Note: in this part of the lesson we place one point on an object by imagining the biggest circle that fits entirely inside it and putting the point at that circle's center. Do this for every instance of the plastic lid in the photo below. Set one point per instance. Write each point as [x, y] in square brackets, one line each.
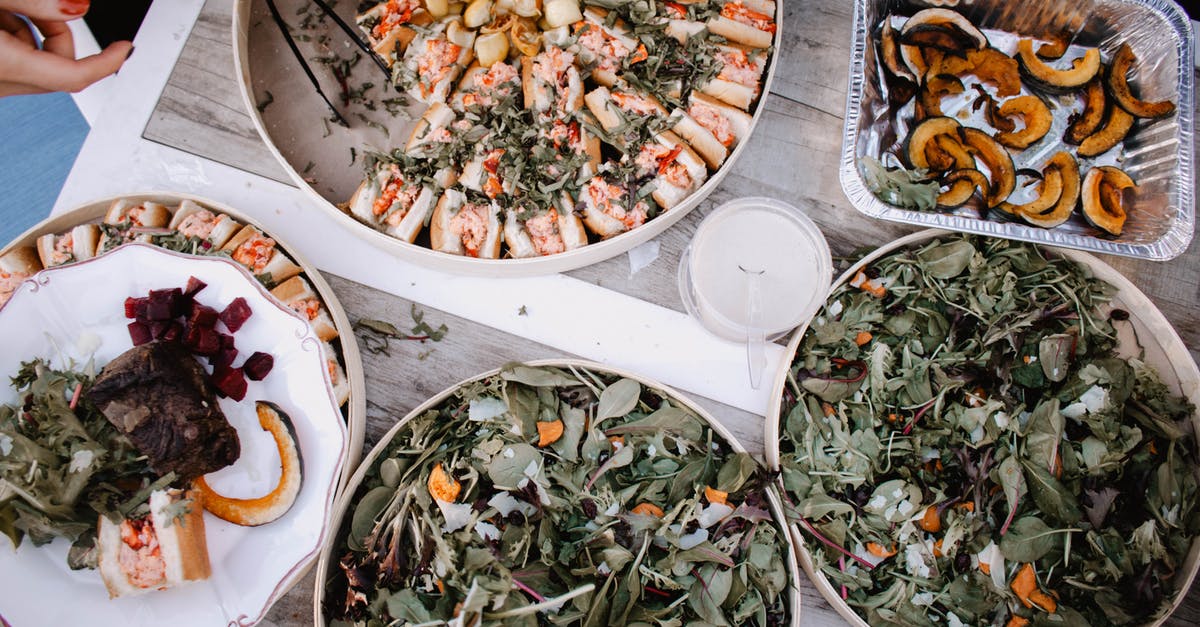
[761, 236]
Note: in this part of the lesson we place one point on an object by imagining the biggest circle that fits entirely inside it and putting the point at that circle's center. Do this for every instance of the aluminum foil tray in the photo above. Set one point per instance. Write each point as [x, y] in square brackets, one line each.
[1158, 154]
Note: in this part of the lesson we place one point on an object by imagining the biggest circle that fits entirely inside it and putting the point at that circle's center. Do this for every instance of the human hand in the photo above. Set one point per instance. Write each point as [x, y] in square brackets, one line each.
[24, 69]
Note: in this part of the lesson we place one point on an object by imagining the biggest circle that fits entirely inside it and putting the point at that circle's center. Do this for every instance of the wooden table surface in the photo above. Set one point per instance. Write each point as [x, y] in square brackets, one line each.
[793, 156]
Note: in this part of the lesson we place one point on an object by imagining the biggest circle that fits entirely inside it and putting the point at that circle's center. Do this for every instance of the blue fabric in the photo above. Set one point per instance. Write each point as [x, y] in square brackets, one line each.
[40, 137]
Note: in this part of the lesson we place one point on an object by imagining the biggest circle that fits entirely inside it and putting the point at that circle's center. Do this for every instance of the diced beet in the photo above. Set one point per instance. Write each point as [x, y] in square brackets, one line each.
[203, 316]
[258, 366]
[207, 344]
[230, 381]
[133, 306]
[169, 298]
[226, 339]
[163, 295]
[158, 328]
[191, 334]
[194, 286]
[224, 358]
[139, 309]
[158, 310]
[139, 333]
[236, 314]
[173, 332]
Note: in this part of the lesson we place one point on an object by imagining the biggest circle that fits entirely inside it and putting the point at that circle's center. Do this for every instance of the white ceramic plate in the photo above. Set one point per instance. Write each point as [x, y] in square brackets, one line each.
[75, 312]
[93, 211]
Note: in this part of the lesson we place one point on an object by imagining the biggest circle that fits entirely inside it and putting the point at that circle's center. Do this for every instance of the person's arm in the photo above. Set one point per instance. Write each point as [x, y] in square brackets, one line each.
[26, 69]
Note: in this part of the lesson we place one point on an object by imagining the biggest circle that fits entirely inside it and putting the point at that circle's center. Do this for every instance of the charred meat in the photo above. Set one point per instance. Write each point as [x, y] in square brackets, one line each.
[159, 396]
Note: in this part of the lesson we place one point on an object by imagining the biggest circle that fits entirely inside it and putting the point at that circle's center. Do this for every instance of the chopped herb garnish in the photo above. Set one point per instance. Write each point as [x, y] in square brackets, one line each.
[266, 102]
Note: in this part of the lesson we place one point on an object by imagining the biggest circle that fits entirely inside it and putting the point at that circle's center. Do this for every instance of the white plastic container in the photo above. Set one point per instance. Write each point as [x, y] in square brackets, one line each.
[755, 251]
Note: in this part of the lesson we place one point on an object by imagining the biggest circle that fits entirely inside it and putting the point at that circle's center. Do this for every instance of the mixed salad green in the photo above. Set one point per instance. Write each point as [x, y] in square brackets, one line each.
[63, 464]
[559, 496]
[962, 443]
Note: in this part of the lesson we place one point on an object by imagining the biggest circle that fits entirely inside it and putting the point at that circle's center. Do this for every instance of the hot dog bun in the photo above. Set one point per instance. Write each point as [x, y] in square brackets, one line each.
[76, 245]
[599, 195]
[425, 132]
[275, 263]
[726, 88]
[700, 139]
[445, 236]
[189, 212]
[741, 32]
[541, 95]
[668, 195]
[595, 17]
[337, 376]
[521, 242]
[176, 526]
[299, 295]
[152, 214]
[705, 119]
[451, 30]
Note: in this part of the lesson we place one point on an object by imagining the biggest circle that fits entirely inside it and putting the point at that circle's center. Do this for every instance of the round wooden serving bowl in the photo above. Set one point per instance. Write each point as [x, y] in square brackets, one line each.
[328, 562]
[318, 156]
[1163, 350]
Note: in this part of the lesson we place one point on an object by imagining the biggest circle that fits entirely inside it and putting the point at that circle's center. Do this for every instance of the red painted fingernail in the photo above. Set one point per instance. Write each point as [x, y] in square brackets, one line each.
[74, 7]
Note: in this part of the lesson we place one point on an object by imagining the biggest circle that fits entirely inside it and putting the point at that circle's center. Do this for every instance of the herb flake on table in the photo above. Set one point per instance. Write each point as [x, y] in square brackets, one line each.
[376, 335]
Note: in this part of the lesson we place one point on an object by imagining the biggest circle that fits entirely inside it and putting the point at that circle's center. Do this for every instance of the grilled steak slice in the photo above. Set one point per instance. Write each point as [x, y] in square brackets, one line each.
[159, 396]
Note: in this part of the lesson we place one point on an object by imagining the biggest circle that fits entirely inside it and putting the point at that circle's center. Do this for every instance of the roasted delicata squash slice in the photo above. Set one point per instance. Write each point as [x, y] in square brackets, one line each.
[1002, 174]
[889, 52]
[942, 29]
[991, 111]
[932, 92]
[1036, 116]
[1081, 71]
[921, 138]
[1117, 83]
[1067, 169]
[1117, 124]
[947, 153]
[960, 186]
[988, 65]
[1055, 47]
[1049, 191]
[1103, 198]
[1088, 121]
[277, 502]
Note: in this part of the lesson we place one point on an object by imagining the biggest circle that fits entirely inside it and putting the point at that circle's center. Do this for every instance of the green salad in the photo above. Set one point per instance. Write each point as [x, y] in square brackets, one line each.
[63, 464]
[559, 496]
[962, 444]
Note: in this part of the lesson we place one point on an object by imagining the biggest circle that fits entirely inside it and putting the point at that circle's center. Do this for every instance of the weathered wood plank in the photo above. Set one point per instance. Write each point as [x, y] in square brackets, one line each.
[814, 62]
[201, 109]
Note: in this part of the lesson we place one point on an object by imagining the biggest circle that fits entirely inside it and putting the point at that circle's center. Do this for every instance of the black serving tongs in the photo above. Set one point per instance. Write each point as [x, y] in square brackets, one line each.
[350, 32]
